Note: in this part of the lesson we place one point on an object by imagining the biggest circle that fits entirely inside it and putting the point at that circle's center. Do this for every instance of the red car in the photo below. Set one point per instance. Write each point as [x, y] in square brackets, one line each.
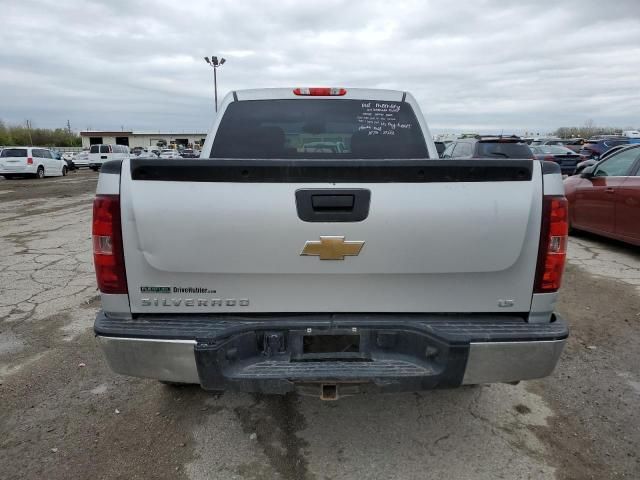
[605, 198]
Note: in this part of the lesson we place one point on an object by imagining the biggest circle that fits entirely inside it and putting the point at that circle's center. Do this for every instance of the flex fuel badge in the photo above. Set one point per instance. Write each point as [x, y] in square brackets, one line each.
[155, 289]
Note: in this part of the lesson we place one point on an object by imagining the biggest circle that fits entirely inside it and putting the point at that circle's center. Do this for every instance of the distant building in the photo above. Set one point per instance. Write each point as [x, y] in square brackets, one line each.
[141, 139]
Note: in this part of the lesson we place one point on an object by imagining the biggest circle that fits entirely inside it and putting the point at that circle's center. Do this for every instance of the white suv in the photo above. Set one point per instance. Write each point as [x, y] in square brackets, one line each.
[30, 161]
[99, 154]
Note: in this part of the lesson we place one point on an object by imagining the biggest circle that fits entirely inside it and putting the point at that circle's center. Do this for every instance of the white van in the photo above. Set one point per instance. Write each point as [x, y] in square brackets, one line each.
[98, 154]
[30, 162]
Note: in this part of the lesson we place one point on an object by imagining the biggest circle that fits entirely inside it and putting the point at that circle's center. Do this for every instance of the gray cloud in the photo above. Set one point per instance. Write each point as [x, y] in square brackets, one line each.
[495, 65]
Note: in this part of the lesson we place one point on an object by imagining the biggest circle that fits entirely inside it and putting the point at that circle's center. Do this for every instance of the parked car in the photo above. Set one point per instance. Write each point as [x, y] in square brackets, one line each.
[546, 141]
[145, 152]
[149, 153]
[30, 162]
[99, 154]
[595, 147]
[324, 147]
[68, 157]
[605, 198]
[632, 135]
[574, 144]
[189, 153]
[590, 162]
[169, 153]
[81, 159]
[563, 156]
[261, 289]
[488, 147]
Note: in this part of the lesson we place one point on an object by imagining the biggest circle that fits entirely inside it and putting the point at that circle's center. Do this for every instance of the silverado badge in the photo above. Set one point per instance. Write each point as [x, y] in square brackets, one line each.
[332, 248]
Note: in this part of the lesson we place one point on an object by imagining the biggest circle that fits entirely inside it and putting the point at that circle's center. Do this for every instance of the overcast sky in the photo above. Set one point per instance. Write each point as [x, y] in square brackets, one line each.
[498, 65]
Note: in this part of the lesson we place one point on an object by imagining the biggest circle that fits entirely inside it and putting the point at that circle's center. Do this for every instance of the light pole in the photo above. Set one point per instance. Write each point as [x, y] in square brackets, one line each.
[214, 63]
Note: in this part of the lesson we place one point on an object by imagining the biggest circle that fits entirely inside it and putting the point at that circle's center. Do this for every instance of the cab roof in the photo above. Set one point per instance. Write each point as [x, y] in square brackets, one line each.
[374, 94]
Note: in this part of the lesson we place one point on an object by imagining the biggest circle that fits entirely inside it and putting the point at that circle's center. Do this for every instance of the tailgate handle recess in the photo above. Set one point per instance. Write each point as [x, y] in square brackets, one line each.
[333, 204]
[326, 202]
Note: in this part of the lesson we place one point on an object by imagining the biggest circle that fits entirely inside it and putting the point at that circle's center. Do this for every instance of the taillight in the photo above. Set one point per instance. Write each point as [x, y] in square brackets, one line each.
[108, 254]
[29, 161]
[552, 252]
[320, 91]
[550, 158]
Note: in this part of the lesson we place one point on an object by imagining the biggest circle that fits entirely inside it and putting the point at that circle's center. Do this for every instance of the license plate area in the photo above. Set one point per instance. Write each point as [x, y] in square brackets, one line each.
[330, 344]
[344, 345]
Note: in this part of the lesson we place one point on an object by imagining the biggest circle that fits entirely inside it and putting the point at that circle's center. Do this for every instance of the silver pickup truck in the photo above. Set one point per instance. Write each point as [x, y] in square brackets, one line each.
[320, 245]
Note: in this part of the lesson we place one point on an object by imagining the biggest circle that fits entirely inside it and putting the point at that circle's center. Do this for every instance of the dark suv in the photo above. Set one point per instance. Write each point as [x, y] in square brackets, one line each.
[595, 147]
[488, 147]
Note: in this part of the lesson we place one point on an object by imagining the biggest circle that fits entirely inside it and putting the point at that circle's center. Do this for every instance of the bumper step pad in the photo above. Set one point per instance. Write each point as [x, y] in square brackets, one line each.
[310, 371]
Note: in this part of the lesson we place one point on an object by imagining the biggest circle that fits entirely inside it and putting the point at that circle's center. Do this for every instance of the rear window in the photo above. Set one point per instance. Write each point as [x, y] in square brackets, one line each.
[14, 152]
[308, 129]
[554, 149]
[547, 142]
[100, 149]
[503, 150]
[614, 143]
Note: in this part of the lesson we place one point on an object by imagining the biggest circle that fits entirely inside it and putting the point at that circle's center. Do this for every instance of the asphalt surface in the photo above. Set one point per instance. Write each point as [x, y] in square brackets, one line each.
[64, 415]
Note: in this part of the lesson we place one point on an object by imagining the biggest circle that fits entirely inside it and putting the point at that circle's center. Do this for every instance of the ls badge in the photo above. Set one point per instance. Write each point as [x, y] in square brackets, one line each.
[332, 248]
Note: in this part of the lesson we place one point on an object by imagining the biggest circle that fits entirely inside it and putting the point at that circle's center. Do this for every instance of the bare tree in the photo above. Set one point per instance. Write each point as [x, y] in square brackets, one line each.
[589, 129]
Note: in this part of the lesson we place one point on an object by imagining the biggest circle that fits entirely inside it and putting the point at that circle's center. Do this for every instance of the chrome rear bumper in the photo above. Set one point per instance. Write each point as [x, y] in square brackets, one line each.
[494, 362]
[175, 361]
[167, 360]
[227, 352]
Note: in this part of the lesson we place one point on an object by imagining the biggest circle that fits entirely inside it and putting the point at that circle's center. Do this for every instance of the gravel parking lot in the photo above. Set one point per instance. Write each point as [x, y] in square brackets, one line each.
[63, 414]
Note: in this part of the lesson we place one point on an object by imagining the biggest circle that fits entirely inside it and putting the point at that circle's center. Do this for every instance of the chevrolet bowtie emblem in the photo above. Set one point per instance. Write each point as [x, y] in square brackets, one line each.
[332, 248]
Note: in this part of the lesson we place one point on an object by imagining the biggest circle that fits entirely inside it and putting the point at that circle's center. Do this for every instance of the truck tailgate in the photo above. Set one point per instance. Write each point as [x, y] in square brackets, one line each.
[216, 238]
